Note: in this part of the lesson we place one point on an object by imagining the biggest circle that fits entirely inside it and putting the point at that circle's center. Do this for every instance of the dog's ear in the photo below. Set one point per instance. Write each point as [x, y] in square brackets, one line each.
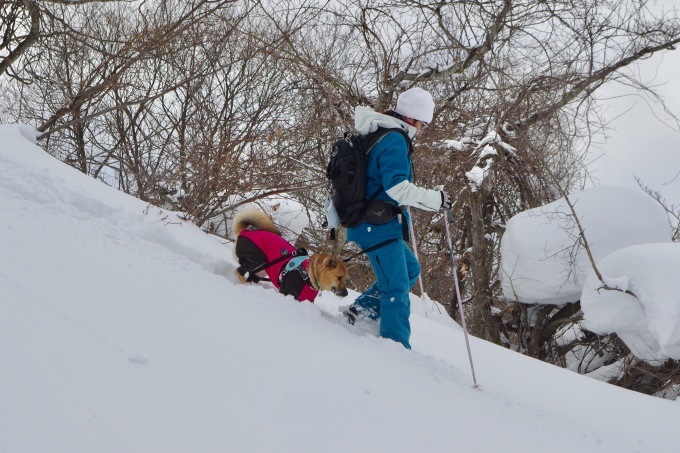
[331, 262]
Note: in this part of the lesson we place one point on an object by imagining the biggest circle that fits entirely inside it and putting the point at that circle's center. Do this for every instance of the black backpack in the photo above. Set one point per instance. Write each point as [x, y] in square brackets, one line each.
[346, 172]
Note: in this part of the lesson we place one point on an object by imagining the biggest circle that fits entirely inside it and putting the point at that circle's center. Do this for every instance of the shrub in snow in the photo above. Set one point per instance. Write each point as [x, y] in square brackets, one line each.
[542, 260]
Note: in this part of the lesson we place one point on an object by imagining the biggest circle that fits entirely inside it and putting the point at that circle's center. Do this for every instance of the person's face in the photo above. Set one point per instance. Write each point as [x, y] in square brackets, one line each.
[420, 126]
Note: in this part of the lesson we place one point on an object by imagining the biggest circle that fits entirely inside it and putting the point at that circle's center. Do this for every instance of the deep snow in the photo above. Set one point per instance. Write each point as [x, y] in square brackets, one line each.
[123, 330]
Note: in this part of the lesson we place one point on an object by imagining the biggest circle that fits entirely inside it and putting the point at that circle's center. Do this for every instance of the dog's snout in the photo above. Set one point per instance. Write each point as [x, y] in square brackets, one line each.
[340, 292]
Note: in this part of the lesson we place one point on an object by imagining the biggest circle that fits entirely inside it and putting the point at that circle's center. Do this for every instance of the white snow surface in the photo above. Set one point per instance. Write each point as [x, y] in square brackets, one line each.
[541, 259]
[123, 330]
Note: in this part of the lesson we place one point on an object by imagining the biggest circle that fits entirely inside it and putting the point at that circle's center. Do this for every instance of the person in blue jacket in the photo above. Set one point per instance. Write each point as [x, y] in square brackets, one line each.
[389, 168]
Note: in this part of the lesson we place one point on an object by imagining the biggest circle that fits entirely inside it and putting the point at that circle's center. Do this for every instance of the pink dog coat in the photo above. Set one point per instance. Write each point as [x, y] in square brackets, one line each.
[274, 246]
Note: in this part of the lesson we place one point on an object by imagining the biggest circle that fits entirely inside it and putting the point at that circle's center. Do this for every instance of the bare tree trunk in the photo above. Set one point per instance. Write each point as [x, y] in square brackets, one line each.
[485, 324]
[13, 43]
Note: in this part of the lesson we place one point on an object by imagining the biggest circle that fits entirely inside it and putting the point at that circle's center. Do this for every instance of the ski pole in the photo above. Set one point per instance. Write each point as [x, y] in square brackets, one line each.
[447, 213]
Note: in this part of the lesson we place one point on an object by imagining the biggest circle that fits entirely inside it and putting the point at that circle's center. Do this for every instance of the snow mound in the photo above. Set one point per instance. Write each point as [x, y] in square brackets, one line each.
[648, 320]
[541, 258]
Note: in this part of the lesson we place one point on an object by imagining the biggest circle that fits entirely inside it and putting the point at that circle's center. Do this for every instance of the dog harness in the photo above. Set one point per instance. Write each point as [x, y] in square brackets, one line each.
[295, 264]
[294, 280]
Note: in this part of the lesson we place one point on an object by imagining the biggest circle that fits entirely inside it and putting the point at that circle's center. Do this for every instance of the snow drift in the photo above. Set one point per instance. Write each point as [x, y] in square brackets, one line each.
[122, 330]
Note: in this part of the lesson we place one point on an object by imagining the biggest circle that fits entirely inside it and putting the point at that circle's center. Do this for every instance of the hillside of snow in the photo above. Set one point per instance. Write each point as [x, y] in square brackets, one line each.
[123, 330]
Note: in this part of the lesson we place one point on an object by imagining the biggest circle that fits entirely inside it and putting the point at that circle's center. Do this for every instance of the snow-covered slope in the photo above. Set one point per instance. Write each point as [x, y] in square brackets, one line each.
[122, 330]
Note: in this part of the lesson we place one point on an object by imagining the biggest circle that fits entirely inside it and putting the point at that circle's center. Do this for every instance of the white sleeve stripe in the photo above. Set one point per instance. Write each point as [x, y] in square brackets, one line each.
[406, 193]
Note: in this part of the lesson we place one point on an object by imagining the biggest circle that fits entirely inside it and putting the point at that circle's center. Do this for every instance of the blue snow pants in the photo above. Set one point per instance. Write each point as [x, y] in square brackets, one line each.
[396, 270]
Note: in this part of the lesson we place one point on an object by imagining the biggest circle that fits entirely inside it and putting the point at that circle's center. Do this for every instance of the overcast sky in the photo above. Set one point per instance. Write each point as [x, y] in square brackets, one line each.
[644, 141]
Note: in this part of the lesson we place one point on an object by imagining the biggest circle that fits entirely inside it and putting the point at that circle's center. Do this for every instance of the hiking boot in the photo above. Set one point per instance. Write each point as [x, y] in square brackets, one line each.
[350, 313]
[361, 320]
[355, 313]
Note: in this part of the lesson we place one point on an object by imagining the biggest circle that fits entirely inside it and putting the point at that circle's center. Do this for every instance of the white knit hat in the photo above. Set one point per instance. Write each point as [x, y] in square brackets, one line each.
[415, 103]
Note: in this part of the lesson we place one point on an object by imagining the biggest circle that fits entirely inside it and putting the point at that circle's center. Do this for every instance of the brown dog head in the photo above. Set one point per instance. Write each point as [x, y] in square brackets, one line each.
[330, 273]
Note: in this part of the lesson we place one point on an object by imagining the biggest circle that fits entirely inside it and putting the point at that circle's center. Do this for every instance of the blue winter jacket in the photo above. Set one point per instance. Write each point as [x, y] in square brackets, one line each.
[389, 167]
[388, 164]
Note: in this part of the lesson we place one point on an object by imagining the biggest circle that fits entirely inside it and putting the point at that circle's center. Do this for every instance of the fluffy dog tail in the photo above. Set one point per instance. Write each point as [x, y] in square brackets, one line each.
[253, 218]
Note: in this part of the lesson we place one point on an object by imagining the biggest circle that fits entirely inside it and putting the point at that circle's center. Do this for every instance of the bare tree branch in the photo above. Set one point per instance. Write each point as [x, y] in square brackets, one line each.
[26, 41]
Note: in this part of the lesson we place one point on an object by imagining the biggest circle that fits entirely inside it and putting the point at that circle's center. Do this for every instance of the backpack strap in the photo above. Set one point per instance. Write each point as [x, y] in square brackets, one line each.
[372, 139]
